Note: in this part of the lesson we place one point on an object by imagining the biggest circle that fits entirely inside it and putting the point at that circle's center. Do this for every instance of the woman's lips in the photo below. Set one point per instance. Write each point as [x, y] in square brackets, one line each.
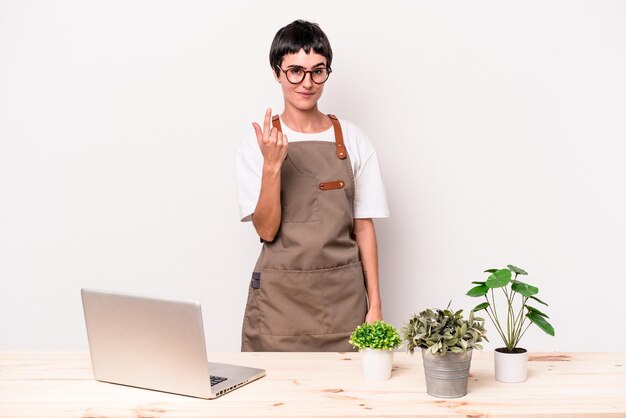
[305, 95]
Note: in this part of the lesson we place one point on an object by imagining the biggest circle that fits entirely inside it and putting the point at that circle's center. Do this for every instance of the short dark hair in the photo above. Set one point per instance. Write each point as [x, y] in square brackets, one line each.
[298, 35]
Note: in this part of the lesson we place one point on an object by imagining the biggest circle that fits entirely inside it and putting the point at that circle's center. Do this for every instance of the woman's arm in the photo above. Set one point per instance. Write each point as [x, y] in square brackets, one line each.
[273, 145]
[366, 240]
[267, 214]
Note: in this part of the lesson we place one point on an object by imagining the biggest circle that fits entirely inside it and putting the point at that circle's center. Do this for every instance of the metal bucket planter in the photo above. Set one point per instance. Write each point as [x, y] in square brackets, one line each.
[447, 374]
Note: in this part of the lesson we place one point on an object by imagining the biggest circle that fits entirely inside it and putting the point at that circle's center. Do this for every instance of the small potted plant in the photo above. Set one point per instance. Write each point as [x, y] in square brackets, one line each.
[510, 360]
[447, 341]
[376, 342]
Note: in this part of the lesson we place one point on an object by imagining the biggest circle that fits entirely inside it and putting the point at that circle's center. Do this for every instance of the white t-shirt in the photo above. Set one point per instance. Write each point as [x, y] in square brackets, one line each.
[370, 200]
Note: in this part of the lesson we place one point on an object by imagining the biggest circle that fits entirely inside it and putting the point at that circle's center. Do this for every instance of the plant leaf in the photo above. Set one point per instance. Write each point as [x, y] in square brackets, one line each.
[539, 300]
[524, 289]
[537, 311]
[541, 322]
[480, 307]
[478, 291]
[478, 282]
[517, 270]
[499, 279]
[491, 270]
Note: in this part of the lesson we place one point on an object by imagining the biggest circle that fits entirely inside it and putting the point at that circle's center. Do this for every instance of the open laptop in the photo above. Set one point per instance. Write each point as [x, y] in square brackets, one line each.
[156, 344]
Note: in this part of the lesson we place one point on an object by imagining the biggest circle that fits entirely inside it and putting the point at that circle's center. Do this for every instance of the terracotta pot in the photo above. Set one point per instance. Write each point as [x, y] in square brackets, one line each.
[511, 367]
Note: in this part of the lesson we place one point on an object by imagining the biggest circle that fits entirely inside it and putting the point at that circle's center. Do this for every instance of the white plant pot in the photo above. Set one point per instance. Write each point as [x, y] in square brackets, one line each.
[376, 364]
[511, 367]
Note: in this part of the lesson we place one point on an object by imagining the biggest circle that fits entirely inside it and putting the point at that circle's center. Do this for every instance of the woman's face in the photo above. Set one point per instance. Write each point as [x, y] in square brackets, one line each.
[304, 95]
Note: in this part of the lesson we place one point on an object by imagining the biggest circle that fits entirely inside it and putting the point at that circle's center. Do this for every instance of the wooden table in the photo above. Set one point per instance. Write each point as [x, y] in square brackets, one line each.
[321, 385]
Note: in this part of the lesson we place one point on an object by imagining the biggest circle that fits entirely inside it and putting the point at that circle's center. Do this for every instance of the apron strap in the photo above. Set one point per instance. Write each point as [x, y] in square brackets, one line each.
[341, 148]
[276, 123]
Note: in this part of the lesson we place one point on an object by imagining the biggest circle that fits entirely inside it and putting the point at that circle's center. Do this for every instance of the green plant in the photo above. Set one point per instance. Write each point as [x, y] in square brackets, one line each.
[441, 330]
[378, 335]
[515, 318]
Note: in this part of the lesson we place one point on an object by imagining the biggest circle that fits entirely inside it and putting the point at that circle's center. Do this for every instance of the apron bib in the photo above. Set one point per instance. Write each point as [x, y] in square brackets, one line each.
[308, 291]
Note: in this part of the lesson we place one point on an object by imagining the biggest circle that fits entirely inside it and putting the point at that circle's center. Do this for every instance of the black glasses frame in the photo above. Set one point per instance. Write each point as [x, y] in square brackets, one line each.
[305, 72]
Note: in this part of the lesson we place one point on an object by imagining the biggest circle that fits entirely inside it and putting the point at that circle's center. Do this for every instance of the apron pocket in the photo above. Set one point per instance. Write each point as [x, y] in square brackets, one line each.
[312, 302]
[298, 194]
[345, 298]
[290, 302]
[299, 199]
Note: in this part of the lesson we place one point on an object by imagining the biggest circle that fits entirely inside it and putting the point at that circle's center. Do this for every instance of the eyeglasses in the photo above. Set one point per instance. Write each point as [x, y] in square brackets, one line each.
[295, 75]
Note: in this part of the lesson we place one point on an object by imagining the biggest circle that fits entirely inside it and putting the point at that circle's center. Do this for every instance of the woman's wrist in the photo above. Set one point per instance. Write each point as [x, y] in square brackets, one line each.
[375, 304]
[271, 169]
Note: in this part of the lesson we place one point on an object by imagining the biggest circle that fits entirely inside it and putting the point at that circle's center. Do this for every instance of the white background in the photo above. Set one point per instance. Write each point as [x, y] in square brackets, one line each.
[500, 129]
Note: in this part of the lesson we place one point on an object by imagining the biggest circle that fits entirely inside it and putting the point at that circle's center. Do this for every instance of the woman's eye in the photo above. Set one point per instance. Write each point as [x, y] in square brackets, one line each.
[295, 71]
[318, 71]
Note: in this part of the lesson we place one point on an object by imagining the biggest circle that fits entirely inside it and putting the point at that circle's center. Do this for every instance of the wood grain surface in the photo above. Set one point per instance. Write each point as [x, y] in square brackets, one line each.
[321, 385]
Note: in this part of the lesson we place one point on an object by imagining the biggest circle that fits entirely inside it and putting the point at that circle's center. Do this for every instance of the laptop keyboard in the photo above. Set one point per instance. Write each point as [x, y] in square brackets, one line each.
[217, 379]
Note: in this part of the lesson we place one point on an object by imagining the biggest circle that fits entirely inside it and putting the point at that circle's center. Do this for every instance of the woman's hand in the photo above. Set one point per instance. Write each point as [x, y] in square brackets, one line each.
[374, 314]
[273, 144]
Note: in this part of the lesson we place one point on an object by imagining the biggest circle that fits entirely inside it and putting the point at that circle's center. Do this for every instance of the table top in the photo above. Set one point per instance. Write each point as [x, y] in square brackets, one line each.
[35, 384]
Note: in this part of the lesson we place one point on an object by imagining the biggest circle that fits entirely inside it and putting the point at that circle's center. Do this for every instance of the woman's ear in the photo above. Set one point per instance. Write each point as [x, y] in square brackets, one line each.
[276, 76]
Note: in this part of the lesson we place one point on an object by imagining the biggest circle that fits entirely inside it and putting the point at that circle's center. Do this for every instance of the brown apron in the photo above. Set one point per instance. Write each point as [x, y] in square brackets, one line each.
[307, 291]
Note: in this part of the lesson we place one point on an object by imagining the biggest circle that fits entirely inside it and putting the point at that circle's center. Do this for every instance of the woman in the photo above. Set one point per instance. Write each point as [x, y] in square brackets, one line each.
[311, 184]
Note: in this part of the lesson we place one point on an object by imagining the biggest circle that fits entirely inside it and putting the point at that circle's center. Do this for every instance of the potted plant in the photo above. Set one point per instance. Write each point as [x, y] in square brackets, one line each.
[511, 360]
[447, 341]
[376, 342]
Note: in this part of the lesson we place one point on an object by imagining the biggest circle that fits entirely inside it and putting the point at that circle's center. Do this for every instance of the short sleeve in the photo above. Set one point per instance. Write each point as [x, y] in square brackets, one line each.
[249, 165]
[370, 197]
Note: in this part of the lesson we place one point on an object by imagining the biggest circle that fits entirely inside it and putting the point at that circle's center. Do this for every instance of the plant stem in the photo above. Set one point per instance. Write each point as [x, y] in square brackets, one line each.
[509, 317]
[512, 292]
[515, 319]
[519, 322]
[493, 304]
[495, 322]
[527, 326]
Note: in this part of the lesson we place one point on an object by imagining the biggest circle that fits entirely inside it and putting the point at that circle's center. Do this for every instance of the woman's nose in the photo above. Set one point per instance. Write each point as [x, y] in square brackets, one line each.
[308, 80]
